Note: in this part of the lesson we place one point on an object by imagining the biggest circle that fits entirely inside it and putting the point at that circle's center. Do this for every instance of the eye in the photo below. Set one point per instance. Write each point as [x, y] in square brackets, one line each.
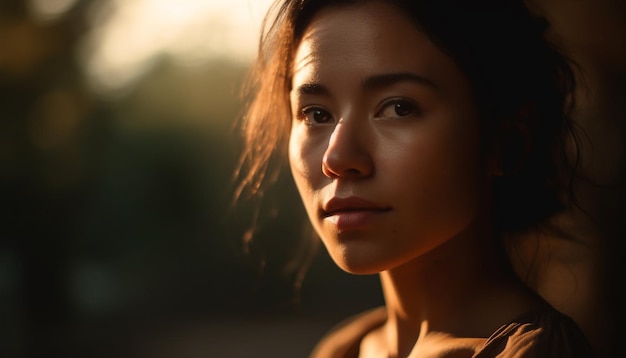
[316, 115]
[398, 108]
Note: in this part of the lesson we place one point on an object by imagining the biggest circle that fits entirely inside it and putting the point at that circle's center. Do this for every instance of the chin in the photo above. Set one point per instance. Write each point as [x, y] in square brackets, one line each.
[358, 262]
[359, 269]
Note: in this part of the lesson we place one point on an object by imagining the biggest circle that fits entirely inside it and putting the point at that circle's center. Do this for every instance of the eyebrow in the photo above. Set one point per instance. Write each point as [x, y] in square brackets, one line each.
[388, 79]
[311, 89]
[372, 82]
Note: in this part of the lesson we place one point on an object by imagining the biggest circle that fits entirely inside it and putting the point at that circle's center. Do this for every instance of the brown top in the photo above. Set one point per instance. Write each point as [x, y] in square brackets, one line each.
[545, 333]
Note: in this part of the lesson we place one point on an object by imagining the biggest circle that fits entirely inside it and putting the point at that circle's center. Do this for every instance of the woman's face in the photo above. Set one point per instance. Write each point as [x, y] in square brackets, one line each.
[384, 146]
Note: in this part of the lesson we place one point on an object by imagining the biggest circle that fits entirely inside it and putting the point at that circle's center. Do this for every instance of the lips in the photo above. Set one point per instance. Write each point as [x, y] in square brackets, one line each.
[352, 212]
[341, 205]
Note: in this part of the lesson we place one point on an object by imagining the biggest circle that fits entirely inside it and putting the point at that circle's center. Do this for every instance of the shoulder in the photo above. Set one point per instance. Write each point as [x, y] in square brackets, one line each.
[345, 338]
[544, 333]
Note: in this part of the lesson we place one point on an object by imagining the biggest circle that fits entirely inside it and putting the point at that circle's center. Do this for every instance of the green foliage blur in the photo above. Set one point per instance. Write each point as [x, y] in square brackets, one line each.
[118, 230]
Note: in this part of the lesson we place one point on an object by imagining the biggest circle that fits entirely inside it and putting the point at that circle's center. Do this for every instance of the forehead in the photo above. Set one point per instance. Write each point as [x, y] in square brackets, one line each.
[357, 40]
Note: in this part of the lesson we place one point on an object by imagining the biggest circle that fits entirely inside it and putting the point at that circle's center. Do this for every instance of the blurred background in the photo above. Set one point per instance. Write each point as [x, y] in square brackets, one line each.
[118, 234]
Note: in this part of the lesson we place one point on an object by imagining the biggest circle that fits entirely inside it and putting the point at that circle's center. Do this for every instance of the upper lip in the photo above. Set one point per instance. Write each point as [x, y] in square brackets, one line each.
[352, 203]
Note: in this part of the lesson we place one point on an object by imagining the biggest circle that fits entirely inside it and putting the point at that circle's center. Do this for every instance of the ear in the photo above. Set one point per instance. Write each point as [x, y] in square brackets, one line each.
[513, 143]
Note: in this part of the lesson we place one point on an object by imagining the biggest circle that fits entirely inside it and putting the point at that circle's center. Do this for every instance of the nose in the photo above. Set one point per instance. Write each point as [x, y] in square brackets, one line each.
[348, 154]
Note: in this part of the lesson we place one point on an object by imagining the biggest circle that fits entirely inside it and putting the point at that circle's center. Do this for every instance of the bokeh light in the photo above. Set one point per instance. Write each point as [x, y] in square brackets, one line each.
[50, 9]
[128, 36]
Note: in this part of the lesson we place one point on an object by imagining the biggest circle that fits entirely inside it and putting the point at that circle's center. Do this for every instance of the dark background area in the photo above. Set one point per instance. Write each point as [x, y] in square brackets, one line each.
[119, 237]
[118, 234]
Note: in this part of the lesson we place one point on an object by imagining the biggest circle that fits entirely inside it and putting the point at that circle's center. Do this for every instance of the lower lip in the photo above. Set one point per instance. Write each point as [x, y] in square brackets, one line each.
[353, 220]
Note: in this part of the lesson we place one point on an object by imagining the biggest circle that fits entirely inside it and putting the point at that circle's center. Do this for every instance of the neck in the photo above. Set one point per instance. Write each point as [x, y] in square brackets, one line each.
[464, 288]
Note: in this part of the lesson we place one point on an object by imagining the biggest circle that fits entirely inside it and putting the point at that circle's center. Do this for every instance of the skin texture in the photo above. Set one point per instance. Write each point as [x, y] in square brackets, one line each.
[385, 152]
[423, 164]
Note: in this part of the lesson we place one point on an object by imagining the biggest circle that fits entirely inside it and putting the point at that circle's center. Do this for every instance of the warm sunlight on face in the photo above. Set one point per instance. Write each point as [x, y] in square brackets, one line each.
[128, 35]
[384, 145]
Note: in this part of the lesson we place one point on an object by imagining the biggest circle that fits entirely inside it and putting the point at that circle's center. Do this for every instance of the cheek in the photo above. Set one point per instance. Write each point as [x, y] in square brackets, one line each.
[299, 163]
[444, 182]
[305, 162]
[460, 180]
[457, 162]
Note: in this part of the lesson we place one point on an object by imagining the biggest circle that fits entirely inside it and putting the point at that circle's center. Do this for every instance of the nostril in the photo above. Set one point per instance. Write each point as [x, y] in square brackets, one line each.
[334, 172]
[327, 171]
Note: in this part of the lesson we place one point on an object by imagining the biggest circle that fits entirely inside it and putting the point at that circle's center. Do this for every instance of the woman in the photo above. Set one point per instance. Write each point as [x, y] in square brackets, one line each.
[419, 135]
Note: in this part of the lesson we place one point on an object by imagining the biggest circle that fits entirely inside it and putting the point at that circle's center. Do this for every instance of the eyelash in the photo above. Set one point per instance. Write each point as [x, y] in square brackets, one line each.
[413, 107]
[306, 111]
